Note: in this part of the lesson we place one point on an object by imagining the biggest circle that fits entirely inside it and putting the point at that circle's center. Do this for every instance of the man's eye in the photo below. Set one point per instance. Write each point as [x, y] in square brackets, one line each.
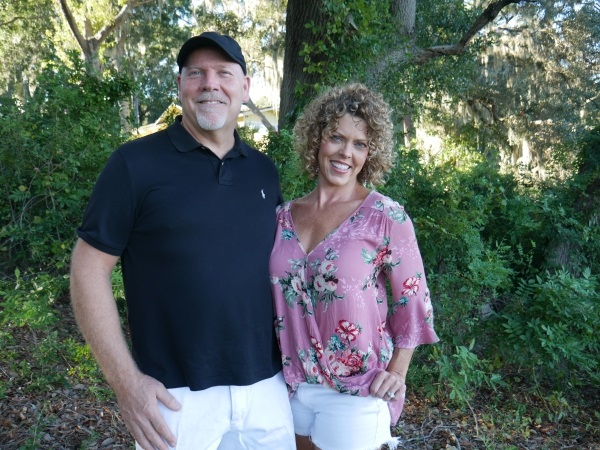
[336, 138]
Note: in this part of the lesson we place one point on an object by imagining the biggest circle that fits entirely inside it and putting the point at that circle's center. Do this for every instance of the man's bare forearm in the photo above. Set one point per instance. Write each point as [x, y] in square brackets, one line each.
[97, 316]
[96, 312]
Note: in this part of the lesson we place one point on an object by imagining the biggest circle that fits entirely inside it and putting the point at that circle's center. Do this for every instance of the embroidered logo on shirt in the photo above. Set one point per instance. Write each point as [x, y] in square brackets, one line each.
[262, 192]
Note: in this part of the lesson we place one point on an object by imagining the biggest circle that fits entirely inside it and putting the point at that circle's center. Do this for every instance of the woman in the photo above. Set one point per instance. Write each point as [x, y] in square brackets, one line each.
[346, 348]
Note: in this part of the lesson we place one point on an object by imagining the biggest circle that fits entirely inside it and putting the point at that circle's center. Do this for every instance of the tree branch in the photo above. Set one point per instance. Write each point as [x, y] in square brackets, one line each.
[16, 19]
[422, 55]
[250, 104]
[89, 45]
[83, 44]
[487, 16]
[119, 18]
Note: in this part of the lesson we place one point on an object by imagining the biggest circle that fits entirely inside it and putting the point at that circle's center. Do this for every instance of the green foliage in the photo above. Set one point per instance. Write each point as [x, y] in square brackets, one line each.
[450, 200]
[550, 328]
[29, 300]
[29, 305]
[354, 27]
[279, 147]
[51, 150]
[81, 363]
[483, 234]
[441, 21]
[24, 28]
[45, 374]
[247, 134]
[553, 224]
[463, 374]
[155, 32]
[41, 369]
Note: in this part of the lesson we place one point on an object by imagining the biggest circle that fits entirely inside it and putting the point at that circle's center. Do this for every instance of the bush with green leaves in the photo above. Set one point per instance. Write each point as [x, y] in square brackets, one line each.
[463, 373]
[280, 148]
[483, 234]
[550, 328]
[51, 150]
[451, 205]
[29, 300]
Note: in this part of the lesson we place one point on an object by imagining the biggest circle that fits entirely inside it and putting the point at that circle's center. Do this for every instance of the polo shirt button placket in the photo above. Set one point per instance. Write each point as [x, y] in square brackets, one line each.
[225, 176]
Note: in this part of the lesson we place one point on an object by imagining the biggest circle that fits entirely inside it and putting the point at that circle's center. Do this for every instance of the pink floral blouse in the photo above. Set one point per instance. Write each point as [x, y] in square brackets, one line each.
[334, 322]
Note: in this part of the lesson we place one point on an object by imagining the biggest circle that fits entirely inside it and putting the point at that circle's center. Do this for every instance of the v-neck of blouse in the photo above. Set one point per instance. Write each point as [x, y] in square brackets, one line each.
[331, 233]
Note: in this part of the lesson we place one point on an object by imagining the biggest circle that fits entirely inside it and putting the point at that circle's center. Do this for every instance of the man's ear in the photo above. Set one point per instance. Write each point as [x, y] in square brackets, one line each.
[246, 96]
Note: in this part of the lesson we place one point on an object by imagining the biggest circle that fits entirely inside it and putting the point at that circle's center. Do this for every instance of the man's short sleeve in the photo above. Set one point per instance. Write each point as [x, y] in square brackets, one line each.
[109, 216]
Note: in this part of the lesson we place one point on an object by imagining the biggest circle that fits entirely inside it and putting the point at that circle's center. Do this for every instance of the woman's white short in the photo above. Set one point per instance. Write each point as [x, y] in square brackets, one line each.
[337, 421]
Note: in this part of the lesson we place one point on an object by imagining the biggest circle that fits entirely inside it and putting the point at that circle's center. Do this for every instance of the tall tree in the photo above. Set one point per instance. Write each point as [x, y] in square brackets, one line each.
[332, 25]
[258, 25]
[298, 37]
[147, 44]
[138, 37]
[26, 28]
[549, 71]
[532, 93]
[87, 37]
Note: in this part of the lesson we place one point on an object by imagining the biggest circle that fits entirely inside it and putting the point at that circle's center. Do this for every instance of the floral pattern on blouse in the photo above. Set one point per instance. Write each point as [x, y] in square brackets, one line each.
[334, 323]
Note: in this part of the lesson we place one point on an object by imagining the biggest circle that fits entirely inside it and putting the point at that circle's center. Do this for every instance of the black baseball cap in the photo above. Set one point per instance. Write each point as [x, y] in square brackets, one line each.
[212, 39]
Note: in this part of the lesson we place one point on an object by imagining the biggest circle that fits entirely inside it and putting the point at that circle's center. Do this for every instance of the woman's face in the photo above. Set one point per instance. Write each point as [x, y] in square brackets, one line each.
[342, 155]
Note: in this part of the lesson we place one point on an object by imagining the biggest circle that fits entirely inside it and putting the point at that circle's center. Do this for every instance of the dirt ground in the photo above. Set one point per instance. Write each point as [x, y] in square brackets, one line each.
[85, 416]
[75, 419]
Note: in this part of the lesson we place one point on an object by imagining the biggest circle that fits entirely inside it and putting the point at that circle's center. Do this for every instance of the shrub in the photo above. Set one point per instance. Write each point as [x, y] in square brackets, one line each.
[467, 272]
[29, 300]
[550, 329]
[52, 148]
[279, 147]
[51, 151]
[463, 374]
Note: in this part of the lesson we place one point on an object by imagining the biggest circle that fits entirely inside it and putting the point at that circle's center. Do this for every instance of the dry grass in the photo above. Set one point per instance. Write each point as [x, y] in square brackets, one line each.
[83, 415]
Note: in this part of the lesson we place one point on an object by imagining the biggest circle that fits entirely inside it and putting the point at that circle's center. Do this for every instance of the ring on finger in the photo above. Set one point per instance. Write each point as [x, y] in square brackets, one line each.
[390, 394]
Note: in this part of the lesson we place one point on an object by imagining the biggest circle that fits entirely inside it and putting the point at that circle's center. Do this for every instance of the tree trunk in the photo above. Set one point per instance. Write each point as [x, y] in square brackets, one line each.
[89, 43]
[299, 13]
[405, 13]
[252, 107]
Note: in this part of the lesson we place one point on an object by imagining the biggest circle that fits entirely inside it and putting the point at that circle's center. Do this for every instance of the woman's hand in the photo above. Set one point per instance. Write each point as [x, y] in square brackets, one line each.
[388, 385]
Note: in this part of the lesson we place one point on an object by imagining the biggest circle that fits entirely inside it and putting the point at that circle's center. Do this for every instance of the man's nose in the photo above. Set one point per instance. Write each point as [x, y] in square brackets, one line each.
[210, 81]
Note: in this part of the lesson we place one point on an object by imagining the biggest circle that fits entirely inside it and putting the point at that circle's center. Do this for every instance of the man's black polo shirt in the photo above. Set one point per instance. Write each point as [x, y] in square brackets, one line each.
[194, 234]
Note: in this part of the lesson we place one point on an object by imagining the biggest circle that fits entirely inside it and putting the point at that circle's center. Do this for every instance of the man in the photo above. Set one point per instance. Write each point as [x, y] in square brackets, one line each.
[190, 211]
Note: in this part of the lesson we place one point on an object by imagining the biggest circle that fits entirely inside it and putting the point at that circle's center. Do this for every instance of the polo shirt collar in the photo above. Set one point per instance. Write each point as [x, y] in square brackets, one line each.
[185, 142]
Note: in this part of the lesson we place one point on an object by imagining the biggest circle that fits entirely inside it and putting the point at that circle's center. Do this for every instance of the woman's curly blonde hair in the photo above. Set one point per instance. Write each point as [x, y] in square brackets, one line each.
[320, 119]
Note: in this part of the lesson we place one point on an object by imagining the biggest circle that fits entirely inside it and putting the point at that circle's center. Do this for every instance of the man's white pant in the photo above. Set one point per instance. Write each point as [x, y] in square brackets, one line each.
[233, 417]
